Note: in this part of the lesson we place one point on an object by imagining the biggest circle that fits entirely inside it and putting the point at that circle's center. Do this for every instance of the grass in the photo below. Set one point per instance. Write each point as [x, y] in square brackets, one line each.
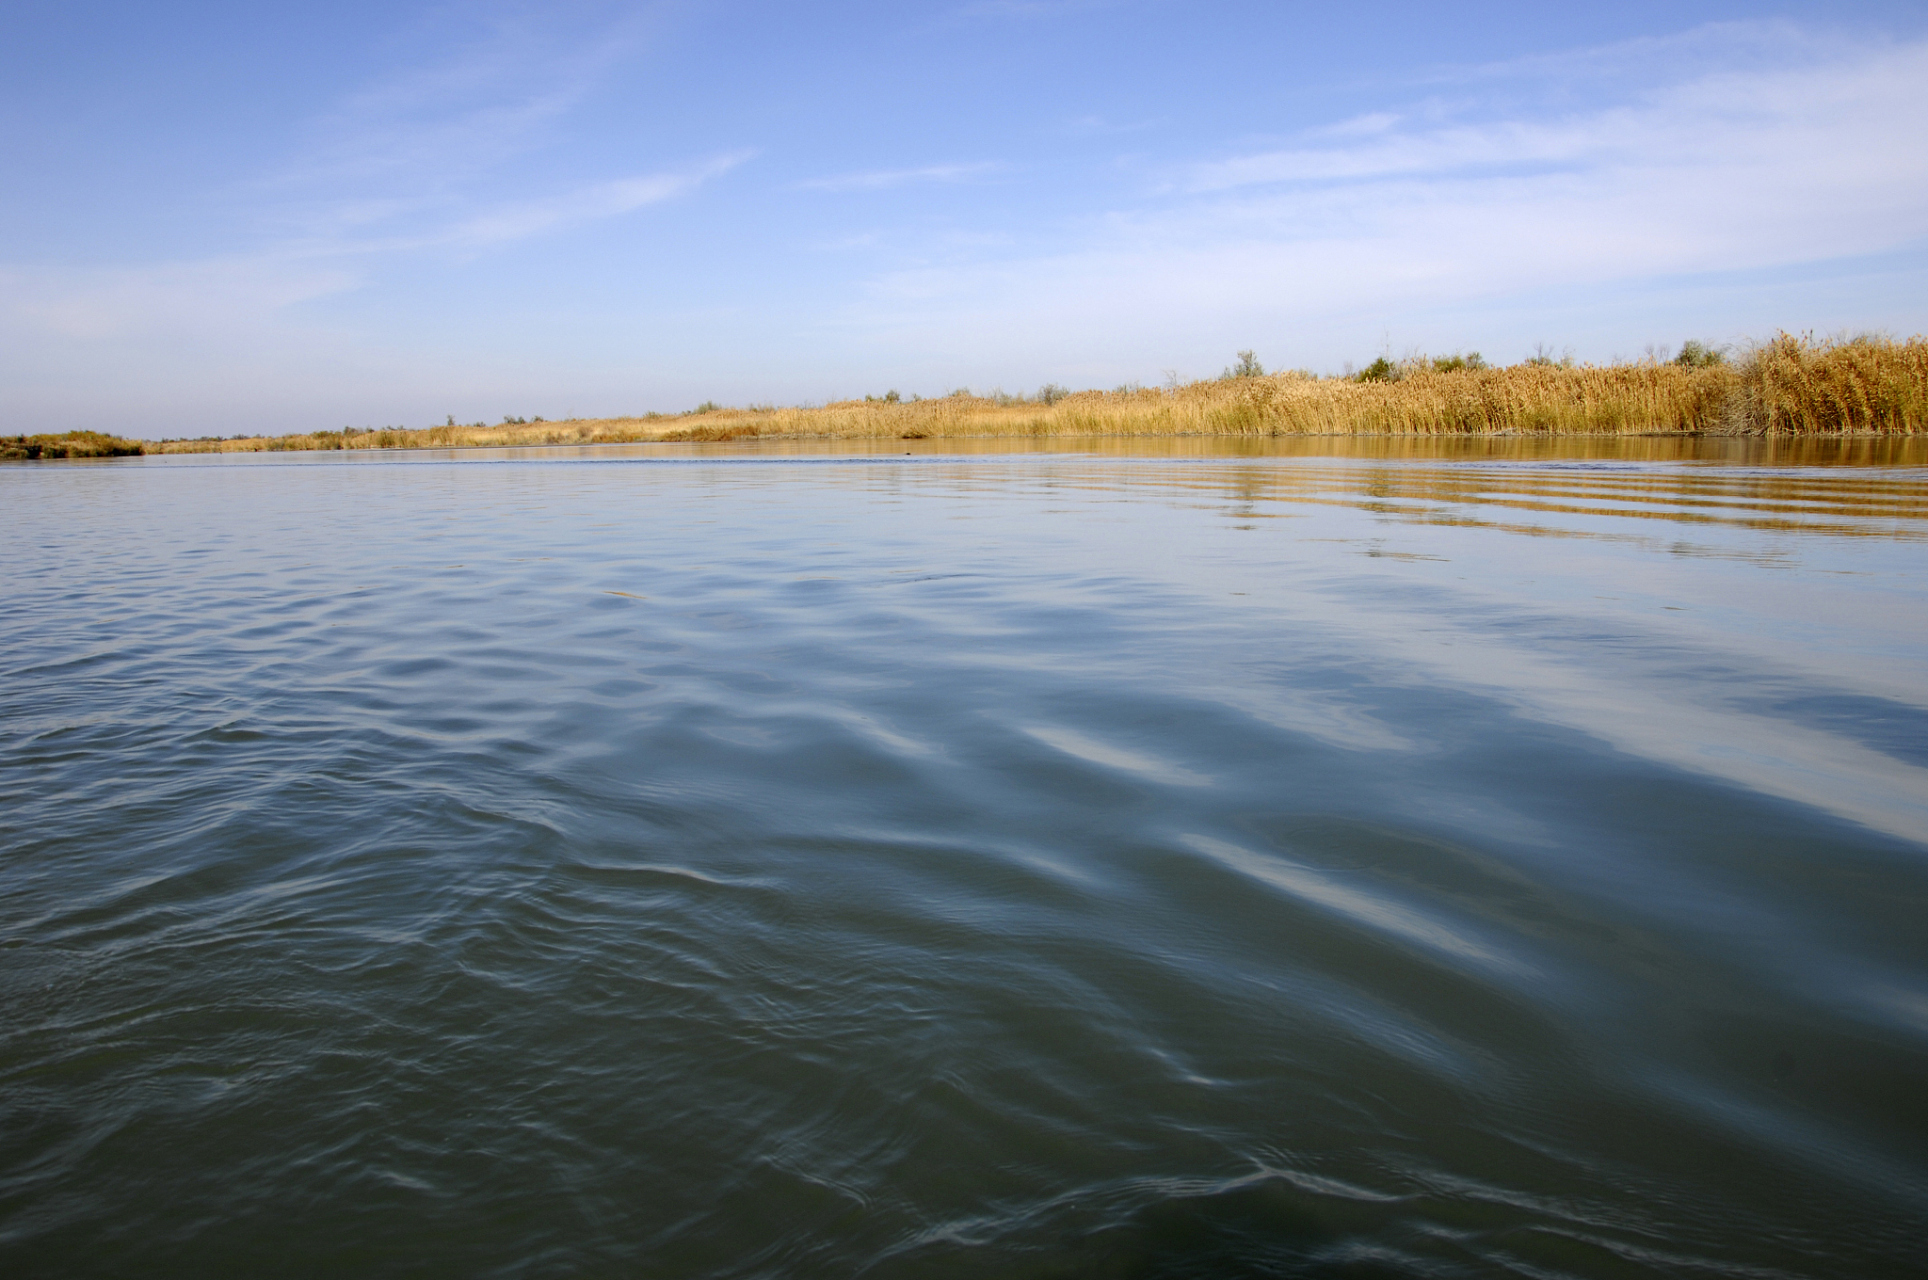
[1788, 386]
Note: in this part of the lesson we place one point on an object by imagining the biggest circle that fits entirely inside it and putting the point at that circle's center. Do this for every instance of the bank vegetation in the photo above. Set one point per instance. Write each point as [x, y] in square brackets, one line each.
[1788, 386]
[69, 444]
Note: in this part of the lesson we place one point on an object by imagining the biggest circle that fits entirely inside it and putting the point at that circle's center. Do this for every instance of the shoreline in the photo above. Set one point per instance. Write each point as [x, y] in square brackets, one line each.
[10, 451]
[1827, 450]
[1786, 388]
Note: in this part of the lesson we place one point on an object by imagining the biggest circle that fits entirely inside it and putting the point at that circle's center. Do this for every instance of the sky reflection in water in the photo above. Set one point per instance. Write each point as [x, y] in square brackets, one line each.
[1342, 858]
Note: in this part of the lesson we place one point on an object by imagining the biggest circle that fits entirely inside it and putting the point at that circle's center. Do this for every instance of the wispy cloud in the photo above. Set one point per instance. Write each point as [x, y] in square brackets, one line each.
[1869, 104]
[241, 289]
[521, 219]
[415, 158]
[407, 165]
[506, 82]
[1755, 163]
[879, 179]
[1671, 58]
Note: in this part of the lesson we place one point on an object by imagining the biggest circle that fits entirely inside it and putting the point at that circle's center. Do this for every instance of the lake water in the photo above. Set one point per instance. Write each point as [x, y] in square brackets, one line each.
[1351, 859]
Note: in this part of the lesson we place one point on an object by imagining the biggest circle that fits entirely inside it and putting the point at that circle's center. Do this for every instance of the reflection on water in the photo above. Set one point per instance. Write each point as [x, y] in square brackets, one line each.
[1749, 451]
[1350, 857]
[1880, 503]
[1752, 451]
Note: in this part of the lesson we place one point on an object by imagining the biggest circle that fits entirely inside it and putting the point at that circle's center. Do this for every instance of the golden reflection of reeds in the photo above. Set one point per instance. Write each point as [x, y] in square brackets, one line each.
[1847, 504]
[1812, 451]
[1790, 387]
[1619, 505]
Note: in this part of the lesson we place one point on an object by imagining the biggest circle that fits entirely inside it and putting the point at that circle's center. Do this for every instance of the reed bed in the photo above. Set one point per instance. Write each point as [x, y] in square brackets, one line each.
[1789, 386]
[1863, 386]
[69, 444]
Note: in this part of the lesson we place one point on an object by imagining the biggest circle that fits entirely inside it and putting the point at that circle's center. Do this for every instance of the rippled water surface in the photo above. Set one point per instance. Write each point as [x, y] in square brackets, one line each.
[1504, 860]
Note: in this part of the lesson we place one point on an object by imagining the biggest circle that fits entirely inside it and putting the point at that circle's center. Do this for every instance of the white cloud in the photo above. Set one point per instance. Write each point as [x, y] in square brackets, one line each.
[1441, 205]
[1569, 177]
[1866, 104]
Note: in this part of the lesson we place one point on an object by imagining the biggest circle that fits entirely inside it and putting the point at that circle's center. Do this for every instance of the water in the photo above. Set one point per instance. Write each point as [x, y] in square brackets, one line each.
[1497, 859]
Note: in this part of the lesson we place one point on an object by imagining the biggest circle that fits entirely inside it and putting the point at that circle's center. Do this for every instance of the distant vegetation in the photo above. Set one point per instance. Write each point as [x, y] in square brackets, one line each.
[71, 444]
[1788, 386]
[1248, 366]
[1697, 355]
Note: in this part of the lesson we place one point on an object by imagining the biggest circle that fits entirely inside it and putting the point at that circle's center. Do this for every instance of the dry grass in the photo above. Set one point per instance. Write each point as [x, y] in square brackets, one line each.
[71, 444]
[1790, 386]
[1864, 385]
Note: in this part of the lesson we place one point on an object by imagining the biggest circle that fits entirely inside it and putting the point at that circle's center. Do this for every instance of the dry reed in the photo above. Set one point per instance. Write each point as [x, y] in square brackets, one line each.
[1789, 386]
[70, 444]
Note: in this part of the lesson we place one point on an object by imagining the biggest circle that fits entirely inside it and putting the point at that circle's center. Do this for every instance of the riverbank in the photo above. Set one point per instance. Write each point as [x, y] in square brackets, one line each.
[1787, 387]
[70, 444]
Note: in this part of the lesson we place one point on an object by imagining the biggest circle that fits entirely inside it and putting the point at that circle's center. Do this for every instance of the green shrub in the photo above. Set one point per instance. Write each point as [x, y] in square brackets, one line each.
[1695, 354]
[1248, 366]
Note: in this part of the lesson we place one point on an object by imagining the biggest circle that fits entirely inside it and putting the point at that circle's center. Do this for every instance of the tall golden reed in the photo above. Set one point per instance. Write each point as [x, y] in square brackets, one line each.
[1864, 385]
[1789, 386]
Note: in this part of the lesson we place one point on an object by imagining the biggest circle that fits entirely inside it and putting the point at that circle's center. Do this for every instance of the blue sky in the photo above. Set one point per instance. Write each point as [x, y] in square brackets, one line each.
[235, 217]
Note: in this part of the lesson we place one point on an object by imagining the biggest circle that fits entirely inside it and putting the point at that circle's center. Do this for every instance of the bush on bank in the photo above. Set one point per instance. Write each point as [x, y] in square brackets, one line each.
[70, 444]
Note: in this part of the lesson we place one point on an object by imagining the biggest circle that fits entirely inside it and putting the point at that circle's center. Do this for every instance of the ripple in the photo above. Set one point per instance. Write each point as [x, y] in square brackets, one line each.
[1438, 858]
